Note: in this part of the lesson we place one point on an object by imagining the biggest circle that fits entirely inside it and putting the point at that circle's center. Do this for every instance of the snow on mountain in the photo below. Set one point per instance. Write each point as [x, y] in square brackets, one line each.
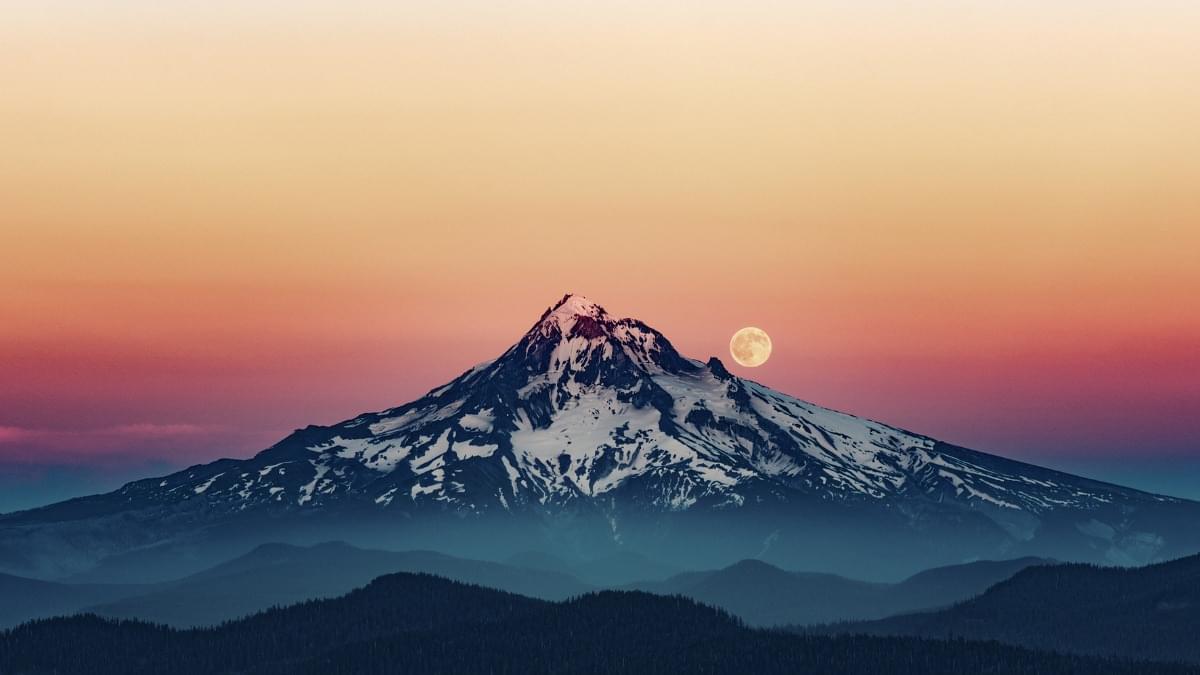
[593, 435]
[585, 407]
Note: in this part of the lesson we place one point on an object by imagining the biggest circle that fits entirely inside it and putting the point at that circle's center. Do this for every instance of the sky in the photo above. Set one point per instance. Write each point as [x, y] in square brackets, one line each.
[221, 221]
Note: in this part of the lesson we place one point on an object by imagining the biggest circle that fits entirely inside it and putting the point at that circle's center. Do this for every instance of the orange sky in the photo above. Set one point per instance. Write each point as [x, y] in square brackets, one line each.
[222, 220]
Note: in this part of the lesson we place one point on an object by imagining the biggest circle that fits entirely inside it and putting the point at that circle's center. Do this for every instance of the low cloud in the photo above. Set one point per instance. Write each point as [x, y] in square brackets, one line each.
[9, 434]
[140, 440]
[14, 434]
[149, 430]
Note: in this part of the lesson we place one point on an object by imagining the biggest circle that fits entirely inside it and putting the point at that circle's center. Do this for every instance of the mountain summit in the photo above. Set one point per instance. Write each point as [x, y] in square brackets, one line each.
[576, 332]
[593, 432]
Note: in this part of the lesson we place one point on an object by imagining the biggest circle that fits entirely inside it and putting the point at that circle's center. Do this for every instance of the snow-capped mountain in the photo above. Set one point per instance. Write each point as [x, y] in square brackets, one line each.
[585, 404]
[601, 419]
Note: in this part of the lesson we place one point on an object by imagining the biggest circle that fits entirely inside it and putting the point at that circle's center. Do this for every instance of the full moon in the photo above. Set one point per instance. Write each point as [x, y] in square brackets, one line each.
[750, 346]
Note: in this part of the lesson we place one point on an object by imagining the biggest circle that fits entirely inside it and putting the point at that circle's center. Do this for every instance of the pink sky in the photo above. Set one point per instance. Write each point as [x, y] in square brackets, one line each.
[105, 400]
[220, 222]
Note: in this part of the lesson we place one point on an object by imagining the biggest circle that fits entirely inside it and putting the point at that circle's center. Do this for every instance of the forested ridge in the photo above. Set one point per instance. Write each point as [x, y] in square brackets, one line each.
[420, 623]
[1150, 612]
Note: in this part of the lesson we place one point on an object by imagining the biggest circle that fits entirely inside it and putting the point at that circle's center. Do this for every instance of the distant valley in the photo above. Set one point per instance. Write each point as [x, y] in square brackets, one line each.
[281, 574]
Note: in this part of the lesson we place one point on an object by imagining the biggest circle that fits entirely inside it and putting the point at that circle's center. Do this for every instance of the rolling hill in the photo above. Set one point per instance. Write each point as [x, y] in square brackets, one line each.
[1144, 612]
[418, 623]
[765, 595]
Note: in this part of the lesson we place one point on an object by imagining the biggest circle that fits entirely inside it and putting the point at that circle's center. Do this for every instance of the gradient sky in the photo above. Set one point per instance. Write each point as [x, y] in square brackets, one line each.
[220, 221]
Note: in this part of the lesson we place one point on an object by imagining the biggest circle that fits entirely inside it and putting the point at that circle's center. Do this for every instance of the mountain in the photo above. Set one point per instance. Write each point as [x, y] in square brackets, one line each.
[593, 436]
[25, 599]
[420, 623]
[270, 575]
[280, 574]
[618, 569]
[1146, 612]
[764, 595]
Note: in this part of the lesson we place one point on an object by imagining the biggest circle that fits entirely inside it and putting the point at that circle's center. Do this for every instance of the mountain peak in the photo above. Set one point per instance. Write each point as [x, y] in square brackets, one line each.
[573, 304]
[595, 426]
[577, 334]
[571, 311]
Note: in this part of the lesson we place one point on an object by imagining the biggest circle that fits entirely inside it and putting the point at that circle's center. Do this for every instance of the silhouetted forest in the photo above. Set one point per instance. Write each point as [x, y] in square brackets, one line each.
[418, 623]
[1150, 612]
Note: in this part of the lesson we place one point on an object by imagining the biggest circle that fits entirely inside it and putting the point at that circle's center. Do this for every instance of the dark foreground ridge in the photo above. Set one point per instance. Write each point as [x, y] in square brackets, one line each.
[419, 623]
[1137, 613]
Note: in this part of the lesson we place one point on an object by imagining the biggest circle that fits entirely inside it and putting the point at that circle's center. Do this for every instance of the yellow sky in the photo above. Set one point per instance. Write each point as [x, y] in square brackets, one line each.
[838, 124]
[861, 178]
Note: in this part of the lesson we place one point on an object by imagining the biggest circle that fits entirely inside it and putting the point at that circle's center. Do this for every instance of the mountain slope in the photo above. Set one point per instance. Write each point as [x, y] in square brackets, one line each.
[765, 595]
[23, 599]
[593, 434]
[270, 575]
[418, 623]
[1146, 612]
[280, 574]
